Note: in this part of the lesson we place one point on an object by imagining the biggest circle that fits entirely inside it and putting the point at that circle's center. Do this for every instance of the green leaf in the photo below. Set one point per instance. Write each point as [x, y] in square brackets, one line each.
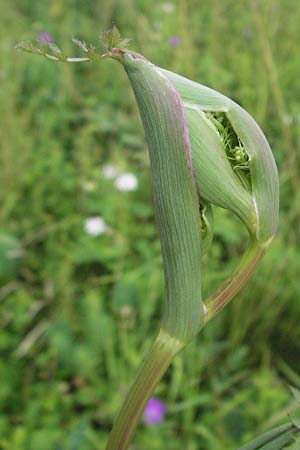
[279, 442]
[55, 51]
[112, 39]
[81, 44]
[296, 393]
[50, 50]
[269, 437]
[10, 255]
[294, 446]
[90, 50]
[27, 46]
[295, 421]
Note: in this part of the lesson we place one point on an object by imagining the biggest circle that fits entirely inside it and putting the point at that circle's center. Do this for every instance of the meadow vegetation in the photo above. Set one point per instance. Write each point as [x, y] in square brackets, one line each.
[79, 309]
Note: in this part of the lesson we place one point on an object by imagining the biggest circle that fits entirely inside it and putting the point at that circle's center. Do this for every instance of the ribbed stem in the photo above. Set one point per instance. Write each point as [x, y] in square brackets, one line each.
[222, 296]
[166, 347]
[154, 366]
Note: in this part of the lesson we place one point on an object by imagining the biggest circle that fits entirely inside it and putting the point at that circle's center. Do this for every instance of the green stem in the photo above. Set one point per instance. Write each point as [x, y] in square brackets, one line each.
[154, 366]
[166, 347]
[229, 288]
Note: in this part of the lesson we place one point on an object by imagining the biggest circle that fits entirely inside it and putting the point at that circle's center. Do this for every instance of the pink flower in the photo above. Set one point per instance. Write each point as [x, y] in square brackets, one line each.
[45, 37]
[154, 411]
[174, 41]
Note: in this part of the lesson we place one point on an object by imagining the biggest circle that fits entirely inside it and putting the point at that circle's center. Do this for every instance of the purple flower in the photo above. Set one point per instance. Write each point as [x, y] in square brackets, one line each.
[44, 36]
[154, 411]
[174, 41]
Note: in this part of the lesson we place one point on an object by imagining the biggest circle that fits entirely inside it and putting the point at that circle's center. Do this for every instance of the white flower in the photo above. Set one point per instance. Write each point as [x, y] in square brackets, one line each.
[167, 7]
[126, 182]
[287, 119]
[88, 186]
[109, 171]
[95, 226]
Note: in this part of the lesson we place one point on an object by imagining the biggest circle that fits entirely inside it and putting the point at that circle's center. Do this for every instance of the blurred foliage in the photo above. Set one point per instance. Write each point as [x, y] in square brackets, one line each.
[79, 312]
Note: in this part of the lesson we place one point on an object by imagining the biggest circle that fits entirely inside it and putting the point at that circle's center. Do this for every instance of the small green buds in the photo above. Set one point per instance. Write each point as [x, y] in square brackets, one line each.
[218, 183]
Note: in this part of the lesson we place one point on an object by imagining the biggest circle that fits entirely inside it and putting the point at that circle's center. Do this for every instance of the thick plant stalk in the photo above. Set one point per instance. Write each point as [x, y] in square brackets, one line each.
[178, 218]
[153, 368]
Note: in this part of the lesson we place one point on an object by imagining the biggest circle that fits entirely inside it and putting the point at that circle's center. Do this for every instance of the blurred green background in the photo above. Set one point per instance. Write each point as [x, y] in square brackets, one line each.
[78, 311]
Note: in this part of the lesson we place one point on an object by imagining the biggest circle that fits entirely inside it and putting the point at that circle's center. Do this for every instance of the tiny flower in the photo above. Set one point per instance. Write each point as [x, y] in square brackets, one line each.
[167, 7]
[95, 226]
[45, 37]
[109, 171]
[154, 411]
[126, 182]
[88, 186]
[174, 41]
[288, 119]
